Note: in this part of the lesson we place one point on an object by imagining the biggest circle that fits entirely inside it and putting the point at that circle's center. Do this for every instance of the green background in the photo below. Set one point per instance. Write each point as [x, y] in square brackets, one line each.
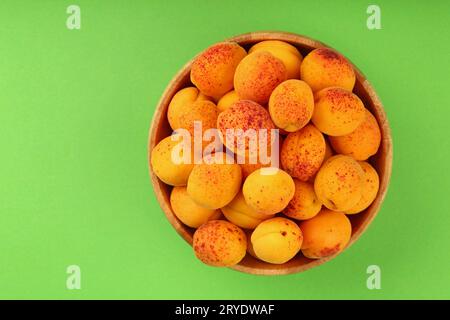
[76, 106]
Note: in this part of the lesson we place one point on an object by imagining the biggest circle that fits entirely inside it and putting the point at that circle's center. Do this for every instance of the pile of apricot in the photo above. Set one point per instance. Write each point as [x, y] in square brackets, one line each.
[324, 174]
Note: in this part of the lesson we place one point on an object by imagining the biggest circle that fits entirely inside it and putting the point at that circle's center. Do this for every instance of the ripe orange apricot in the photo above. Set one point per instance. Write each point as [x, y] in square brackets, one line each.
[371, 183]
[213, 70]
[257, 75]
[213, 185]
[243, 116]
[172, 171]
[302, 152]
[326, 234]
[337, 112]
[339, 183]
[241, 214]
[287, 53]
[250, 249]
[324, 67]
[328, 151]
[203, 111]
[276, 240]
[227, 100]
[291, 105]
[219, 243]
[268, 193]
[189, 212]
[305, 204]
[363, 142]
[181, 104]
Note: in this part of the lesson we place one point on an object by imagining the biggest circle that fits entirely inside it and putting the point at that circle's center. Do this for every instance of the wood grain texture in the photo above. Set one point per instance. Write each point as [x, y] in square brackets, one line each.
[382, 161]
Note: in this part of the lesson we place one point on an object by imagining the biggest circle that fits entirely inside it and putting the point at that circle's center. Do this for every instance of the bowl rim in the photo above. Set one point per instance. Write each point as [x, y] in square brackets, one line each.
[297, 40]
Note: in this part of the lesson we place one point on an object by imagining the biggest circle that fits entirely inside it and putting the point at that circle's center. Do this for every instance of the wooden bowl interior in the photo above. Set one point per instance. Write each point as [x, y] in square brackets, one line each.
[382, 161]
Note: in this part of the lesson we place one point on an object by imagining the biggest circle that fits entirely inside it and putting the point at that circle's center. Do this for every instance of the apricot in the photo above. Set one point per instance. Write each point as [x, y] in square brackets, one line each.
[213, 70]
[302, 152]
[250, 250]
[324, 67]
[287, 53]
[276, 240]
[227, 100]
[189, 212]
[326, 234]
[243, 116]
[337, 112]
[339, 183]
[170, 170]
[328, 151]
[219, 243]
[241, 214]
[371, 183]
[268, 193]
[183, 115]
[363, 142]
[291, 105]
[257, 75]
[248, 168]
[180, 104]
[305, 204]
[213, 185]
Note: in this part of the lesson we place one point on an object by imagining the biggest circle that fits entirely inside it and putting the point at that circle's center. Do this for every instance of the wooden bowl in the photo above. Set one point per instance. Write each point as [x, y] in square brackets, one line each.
[382, 161]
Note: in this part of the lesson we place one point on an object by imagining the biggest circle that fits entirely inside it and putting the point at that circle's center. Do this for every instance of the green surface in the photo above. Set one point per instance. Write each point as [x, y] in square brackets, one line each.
[75, 109]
